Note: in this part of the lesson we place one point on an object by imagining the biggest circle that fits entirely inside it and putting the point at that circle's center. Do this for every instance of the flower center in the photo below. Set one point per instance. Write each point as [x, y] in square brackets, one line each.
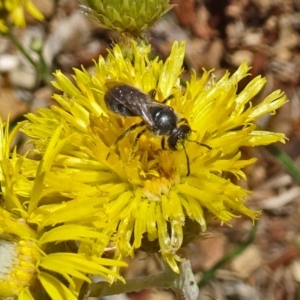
[17, 265]
[156, 187]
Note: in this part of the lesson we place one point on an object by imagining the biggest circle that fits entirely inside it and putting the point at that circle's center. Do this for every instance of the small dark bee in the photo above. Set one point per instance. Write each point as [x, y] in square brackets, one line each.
[157, 117]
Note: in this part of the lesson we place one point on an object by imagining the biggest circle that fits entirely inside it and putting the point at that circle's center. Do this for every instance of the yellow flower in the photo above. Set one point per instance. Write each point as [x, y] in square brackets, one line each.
[14, 11]
[3, 28]
[39, 238]
[154, 203]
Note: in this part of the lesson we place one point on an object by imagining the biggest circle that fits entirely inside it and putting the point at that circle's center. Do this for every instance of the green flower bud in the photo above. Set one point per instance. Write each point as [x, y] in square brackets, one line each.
[131, 16]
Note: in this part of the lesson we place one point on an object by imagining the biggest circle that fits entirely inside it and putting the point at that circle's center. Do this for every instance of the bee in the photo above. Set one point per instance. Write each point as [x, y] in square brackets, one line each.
[157, 117]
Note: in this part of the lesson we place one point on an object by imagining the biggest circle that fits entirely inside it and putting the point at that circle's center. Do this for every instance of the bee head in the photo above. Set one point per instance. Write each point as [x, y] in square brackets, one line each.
[178, 136]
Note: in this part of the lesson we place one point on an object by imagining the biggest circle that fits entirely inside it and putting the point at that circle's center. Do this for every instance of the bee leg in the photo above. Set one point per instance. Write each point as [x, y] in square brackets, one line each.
[134, 145]
[122, 135]
[152, 94]
[163, 143]
[183, 120]
[167, 99]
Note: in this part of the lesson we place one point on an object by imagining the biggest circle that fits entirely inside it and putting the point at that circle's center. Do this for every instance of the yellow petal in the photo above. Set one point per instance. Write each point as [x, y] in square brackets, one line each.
[55, 288]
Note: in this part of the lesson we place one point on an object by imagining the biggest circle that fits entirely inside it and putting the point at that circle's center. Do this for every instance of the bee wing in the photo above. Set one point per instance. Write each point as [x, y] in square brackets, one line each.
[142, 106]
[134, 100]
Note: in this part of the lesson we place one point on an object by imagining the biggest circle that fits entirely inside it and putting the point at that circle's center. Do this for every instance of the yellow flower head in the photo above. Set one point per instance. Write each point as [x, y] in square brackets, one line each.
[155, 194]
[38, 241]
[14, 11]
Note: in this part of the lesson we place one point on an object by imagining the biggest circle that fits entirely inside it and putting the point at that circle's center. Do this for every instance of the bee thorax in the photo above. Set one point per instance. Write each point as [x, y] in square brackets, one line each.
[165, 121]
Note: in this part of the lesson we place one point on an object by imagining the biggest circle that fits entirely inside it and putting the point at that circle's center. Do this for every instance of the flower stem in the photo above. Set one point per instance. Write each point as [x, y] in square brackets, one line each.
[286, 161]
[183, 284]
[40, 67]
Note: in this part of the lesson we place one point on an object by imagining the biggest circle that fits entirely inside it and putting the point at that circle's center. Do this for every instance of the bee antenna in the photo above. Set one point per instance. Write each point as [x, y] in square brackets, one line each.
[201, 144]
[187, 160]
